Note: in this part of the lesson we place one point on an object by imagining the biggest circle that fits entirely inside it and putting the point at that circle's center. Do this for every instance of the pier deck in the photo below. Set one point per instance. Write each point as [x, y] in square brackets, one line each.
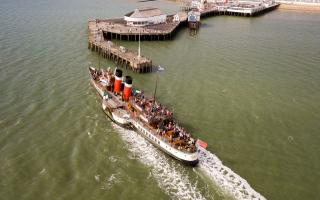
[116, 28]
[123, 57]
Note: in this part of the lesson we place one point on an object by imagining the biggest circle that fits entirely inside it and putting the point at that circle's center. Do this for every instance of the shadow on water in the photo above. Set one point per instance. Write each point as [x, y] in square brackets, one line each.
[205, 25]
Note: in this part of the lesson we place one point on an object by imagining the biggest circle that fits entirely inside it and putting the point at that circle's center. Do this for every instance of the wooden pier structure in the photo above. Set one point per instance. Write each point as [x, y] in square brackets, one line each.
[120, 55]
[245, 9]
[118, 29]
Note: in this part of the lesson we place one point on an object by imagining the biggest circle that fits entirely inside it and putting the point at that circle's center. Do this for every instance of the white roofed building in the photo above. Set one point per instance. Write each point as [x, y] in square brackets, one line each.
[145, 16]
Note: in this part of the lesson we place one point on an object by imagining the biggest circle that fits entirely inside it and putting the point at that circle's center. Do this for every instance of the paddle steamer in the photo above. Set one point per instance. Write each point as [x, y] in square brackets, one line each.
[131, 108]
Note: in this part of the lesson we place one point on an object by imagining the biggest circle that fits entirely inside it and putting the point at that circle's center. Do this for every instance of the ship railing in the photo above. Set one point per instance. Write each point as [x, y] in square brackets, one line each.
[144, 115]
[162, 138]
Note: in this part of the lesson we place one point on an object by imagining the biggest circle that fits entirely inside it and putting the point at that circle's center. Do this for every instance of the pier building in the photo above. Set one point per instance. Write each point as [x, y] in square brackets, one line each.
[145, 17]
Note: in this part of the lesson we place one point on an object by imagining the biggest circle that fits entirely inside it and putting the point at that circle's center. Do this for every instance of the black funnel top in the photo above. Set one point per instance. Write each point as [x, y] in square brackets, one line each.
[128, 80]
[118, 73]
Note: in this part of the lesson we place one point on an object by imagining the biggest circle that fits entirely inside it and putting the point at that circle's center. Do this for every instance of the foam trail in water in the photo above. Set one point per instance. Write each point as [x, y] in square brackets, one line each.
[225, 177]
[170, 177]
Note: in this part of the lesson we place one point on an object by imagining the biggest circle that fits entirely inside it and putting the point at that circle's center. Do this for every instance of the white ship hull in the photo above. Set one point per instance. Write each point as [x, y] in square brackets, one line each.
[120, 120]
[186, 157]
[99, 90]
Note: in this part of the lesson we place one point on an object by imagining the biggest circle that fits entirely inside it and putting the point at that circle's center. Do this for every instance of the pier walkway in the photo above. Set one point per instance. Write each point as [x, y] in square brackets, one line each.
[120, 55]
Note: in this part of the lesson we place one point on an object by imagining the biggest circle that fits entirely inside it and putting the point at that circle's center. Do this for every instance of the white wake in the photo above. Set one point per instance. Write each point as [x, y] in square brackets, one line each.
[225, 177]
[171, 178]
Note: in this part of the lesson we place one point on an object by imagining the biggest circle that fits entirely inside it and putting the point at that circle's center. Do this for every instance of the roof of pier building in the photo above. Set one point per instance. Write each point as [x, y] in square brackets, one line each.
[145, 12]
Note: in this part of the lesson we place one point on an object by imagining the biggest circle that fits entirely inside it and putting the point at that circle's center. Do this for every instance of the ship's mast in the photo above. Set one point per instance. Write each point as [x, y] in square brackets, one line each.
[99, 62]
[155, 92]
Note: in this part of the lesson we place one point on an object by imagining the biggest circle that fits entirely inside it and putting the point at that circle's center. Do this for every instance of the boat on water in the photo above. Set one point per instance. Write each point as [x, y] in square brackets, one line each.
[131, 108]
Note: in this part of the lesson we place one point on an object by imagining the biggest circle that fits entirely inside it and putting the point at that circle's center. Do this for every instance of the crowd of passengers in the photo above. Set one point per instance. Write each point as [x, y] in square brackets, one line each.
[153, 110]
[105, 76]
[96, 74]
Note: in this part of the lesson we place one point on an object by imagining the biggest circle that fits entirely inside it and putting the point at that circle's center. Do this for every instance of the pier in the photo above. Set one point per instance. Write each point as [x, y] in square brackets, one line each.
[246, 9]
[120, 55]
[122, 29]
[239, 8]
[117, 29]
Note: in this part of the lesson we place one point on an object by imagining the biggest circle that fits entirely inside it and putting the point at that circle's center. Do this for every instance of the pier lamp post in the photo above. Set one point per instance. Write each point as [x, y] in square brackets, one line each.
[100, 47]
[139, 55]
